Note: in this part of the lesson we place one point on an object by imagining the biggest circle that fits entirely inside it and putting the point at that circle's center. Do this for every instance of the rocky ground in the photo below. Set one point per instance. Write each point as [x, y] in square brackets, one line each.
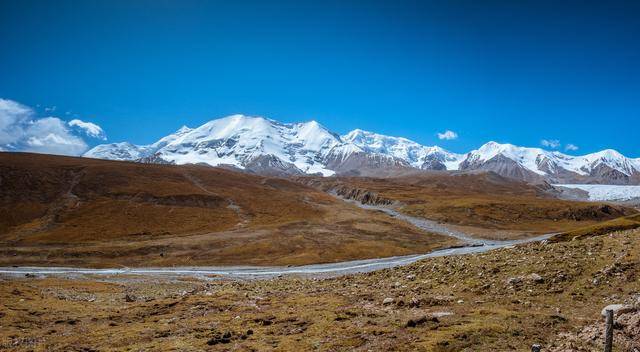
[546, 293]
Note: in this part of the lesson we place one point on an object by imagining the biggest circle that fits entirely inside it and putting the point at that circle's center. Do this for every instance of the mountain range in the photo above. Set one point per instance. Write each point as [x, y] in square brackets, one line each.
[264, 146]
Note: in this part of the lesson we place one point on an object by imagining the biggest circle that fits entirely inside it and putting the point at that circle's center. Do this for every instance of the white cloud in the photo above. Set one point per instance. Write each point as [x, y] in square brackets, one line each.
[447, 135]
[571, 147]
[91, 129]
[13, 116]
[51, 135]
[21, 130]
[551, 143]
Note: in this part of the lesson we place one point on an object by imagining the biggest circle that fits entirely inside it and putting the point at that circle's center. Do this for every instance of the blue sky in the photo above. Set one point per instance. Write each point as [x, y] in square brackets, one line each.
[510, 71]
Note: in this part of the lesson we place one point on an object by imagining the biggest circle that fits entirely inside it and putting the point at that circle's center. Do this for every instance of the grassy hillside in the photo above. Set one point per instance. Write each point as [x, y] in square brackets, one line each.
[77, 211]
[618, 224]
[485, 200]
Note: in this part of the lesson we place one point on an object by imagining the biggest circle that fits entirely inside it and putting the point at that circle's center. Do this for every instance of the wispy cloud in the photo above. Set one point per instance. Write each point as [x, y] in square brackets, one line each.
[90, 128]
[571, 147]
[22, 130]
[447, 135]
[550, 143]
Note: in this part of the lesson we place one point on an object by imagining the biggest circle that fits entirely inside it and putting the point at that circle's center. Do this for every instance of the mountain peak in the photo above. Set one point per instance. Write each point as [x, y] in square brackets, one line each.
[255, 143]
[609, 154]
[183, 129]
[356, 134]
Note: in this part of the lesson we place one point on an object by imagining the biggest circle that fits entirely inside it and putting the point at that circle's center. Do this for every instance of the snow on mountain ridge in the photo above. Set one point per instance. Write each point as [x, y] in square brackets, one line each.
[238, 139]
[529, 158]
[413, 153]
[117, 151]
[533, 158]
[308, 147]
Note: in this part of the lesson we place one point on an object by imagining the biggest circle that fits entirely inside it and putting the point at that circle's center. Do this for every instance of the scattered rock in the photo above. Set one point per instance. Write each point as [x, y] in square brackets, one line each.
[440, 314]
[618, 309]
[388, 301]
[414, 303]
[221, 338]
[216, 340]
[438, 300]
[559, 318]
[265, 321]
[514, 280]
[161, 334]
[535, 278]
[412, 323]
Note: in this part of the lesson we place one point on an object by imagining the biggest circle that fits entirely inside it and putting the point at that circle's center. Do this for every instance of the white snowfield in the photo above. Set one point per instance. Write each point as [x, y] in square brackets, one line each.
[240, 140]
[607, 192]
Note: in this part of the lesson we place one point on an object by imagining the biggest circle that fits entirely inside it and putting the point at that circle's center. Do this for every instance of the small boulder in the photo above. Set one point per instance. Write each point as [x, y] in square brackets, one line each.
[414, 302]
[514, 280]
[618, 309]
[440, 314]
[535, 278]
[412, 323]
[387, 301]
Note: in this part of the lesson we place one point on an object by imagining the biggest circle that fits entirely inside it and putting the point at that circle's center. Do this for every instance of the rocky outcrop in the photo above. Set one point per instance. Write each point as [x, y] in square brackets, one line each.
[154, 159]
[433, 163]
[366, 164]
[361, 195]
[270, 165]
[503, 166]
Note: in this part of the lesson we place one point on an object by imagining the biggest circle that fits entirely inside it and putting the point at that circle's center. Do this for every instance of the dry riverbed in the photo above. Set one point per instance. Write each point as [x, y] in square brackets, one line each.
[507, 299]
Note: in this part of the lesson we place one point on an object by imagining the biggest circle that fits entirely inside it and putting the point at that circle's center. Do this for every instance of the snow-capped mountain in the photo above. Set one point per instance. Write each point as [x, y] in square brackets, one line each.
[118, 151]
[415, 154]
[265, 146]
[607, 166]
[243, 141]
